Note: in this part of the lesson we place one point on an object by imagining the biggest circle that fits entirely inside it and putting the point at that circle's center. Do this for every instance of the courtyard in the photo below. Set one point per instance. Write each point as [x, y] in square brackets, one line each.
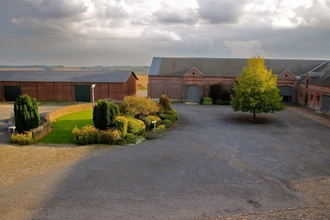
[213, 164]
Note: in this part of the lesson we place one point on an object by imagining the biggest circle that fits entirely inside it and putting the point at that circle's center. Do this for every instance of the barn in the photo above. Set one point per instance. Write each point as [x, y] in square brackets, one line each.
[189, 79]
[68, 86]
[314, 88]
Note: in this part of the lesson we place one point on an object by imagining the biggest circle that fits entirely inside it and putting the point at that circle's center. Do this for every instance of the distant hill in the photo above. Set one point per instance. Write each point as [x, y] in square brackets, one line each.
[141, 70]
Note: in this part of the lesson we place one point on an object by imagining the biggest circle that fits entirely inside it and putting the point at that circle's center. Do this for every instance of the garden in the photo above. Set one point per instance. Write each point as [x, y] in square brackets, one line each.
[110, 122]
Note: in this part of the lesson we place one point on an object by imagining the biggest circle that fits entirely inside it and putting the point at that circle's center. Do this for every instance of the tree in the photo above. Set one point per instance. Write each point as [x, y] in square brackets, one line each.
[256, 90]
[104, 114]
[26, 113]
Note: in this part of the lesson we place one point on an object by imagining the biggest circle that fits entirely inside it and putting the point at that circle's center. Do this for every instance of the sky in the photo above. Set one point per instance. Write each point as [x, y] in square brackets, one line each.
[132, 32]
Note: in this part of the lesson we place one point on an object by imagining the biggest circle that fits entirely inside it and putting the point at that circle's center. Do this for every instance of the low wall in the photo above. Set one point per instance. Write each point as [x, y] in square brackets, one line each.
[46, 127]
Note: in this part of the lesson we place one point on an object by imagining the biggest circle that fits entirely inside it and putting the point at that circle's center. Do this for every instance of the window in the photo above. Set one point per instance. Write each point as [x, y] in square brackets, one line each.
[300, 94]
[318, 98]
[312, 96]
[307, 82]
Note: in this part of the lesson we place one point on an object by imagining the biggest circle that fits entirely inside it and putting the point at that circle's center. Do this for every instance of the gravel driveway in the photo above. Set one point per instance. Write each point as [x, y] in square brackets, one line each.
[213, 163]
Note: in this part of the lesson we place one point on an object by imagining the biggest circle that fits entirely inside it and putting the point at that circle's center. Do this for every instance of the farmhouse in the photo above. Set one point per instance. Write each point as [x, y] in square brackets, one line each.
[189, 79]
[72, 86]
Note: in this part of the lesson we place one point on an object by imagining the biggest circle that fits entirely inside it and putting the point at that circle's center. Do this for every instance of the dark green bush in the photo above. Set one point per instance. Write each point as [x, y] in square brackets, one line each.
[104, 114]
[147, 122]
[172, 118]
[167, 123]
[165, 102]
[154, 134]
[226, 96]
[136, 126]
[215, 91]
[121, 124]
[26, 113]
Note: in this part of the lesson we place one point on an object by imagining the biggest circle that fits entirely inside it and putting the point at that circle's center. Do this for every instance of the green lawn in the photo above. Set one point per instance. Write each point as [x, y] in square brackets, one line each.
[64, 125]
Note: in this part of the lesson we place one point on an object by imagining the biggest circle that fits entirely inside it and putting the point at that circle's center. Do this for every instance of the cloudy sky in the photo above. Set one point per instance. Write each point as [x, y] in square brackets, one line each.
[131, 32]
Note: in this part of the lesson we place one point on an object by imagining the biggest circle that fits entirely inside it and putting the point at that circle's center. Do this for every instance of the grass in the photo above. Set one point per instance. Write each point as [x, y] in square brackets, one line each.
[63, 126]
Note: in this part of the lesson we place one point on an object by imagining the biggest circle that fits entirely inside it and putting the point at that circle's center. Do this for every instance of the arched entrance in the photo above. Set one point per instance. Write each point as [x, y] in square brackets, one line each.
[193, 93]
[286, 93]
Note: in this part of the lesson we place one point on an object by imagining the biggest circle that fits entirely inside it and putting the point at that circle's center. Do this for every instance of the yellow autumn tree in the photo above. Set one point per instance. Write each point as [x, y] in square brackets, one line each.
[256, 89]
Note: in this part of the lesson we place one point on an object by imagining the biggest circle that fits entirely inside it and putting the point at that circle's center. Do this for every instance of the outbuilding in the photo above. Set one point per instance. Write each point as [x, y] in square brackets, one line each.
[189, 79]
[68, 86]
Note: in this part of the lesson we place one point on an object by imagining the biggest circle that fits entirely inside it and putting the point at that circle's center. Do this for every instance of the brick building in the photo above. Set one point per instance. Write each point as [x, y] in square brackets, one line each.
[314, 88]
[72, 86]
[189, 79]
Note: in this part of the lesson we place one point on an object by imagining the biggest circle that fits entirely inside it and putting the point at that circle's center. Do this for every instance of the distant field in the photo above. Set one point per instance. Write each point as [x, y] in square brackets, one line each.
[21, 69]
[142, 82]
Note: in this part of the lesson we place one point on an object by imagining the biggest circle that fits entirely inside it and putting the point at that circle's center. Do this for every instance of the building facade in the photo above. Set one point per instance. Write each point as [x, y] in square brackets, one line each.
[67, 86]
[189, 79]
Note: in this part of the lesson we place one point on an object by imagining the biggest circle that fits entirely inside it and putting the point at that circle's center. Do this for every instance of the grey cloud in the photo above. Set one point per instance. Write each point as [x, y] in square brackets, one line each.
[222, 11]
[189, 16]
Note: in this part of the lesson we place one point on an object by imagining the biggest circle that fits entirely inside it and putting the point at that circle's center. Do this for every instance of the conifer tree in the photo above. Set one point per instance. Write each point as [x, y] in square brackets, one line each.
[26, 113]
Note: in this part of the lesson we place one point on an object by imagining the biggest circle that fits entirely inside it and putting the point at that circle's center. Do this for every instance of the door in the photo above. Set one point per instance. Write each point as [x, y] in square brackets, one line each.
[12, 92]
[326, 104]
[286, 93]
[193, 94]
[82, 93]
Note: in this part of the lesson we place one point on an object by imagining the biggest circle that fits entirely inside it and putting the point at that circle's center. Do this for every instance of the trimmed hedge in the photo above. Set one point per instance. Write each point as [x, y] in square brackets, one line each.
[136, 126]
[167, 123]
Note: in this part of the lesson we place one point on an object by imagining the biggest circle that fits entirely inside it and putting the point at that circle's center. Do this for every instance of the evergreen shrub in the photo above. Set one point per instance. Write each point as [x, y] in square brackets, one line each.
[136, 126]
[104, 114]
[147, 122]
[26, 113]
[167, 123]
[121, 124]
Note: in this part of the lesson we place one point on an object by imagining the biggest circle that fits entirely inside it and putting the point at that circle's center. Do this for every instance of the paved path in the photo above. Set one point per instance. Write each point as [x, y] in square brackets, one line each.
[213, 164]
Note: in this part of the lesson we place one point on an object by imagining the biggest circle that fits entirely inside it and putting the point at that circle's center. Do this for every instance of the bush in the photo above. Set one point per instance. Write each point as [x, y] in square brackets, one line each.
[155, 118]
[154, 134]
[104, 114]
[130, 138]
[161, 127]
[165, 102]
[207, 101]
[91, 135]
[167, 123]
[218, 102]
[225, 96]
[87, 135]
[215, 91]
[121, 124]
[147, 122]
[22, 139]
[172, 118]
[136, 126]
[109, 136]
[138, 106]
[26, 113]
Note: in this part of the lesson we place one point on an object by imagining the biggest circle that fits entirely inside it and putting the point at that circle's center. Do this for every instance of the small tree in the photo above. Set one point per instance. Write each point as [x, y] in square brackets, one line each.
[256, 90]
[104, 114]
[26, 113]
[165, 102]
